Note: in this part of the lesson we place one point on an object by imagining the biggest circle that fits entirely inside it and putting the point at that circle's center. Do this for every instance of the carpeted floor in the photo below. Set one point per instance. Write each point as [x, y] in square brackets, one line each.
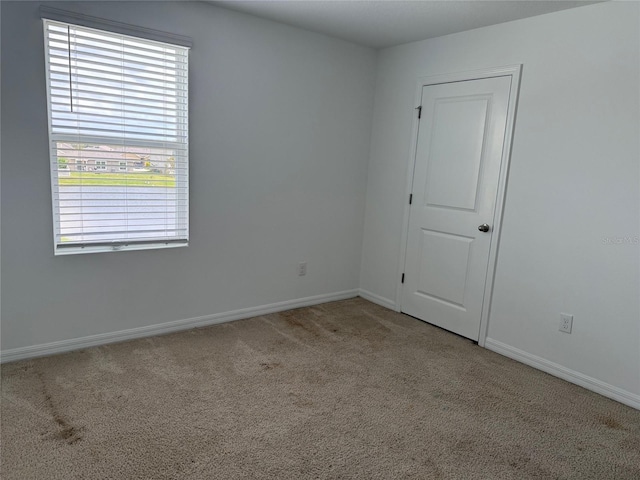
[336, 391]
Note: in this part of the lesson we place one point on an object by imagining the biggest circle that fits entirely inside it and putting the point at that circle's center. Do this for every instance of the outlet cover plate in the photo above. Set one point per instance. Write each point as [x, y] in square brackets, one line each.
[566, 322]
[302, 269]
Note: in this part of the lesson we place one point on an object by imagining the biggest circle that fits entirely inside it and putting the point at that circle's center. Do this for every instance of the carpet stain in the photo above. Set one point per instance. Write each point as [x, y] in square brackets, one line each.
[66, 432]
[611, 422]
[269, 366]
[291, 320]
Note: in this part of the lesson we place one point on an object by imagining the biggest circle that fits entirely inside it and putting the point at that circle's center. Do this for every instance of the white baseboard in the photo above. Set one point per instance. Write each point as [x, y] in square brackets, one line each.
[557, 370]
[372, 297]
[45, 349]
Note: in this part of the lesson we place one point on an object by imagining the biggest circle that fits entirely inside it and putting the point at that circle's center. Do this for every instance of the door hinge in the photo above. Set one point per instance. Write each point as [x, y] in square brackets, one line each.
[419, 108]
[402, 280]
[410, 198]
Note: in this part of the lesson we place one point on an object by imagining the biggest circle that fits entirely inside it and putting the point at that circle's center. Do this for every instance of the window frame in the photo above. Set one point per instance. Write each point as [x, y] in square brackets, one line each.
[181, 175]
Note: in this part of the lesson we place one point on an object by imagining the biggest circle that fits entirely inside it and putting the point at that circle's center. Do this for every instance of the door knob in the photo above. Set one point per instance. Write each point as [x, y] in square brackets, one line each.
[484, 227]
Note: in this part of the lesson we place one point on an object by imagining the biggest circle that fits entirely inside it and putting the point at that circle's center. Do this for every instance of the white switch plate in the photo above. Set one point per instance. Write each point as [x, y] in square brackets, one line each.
[566, 322]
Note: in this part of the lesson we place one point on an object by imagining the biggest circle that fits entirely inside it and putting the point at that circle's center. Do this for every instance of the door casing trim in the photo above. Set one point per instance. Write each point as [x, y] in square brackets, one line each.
[515, 72]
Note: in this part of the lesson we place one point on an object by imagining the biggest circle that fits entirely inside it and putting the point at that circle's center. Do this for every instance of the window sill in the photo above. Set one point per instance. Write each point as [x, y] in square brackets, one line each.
[116, 248]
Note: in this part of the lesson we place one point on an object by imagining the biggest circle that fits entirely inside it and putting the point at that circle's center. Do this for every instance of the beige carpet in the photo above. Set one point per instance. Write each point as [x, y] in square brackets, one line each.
[341, 390]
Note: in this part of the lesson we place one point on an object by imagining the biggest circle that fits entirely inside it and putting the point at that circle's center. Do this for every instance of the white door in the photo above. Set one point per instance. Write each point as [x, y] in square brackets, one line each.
[455, 182]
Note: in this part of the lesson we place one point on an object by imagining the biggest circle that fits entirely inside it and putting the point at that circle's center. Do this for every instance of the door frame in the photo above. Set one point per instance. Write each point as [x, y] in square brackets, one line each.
[514, 71]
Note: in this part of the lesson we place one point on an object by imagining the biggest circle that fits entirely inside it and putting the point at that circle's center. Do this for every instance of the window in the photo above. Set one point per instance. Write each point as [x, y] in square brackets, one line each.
[118, 112]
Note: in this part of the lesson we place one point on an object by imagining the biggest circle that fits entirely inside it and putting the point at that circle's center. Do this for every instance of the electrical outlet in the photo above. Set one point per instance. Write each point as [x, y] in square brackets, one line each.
[566, 322]
[302, 269]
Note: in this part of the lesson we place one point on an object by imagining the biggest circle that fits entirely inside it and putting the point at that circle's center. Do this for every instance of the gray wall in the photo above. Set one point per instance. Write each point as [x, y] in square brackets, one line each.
[573, 184]
[280, 125]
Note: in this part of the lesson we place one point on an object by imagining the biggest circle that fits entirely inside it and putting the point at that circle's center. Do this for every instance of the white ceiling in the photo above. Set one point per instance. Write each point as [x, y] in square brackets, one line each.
[385, 23]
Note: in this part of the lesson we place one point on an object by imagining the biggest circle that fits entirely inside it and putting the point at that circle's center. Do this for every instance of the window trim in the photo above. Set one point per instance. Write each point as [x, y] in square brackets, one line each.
[116, 28]
[117, 246]
[89, 21]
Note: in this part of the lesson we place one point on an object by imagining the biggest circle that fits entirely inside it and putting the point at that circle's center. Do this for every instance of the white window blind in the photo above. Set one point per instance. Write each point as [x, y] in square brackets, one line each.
[118, 131]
